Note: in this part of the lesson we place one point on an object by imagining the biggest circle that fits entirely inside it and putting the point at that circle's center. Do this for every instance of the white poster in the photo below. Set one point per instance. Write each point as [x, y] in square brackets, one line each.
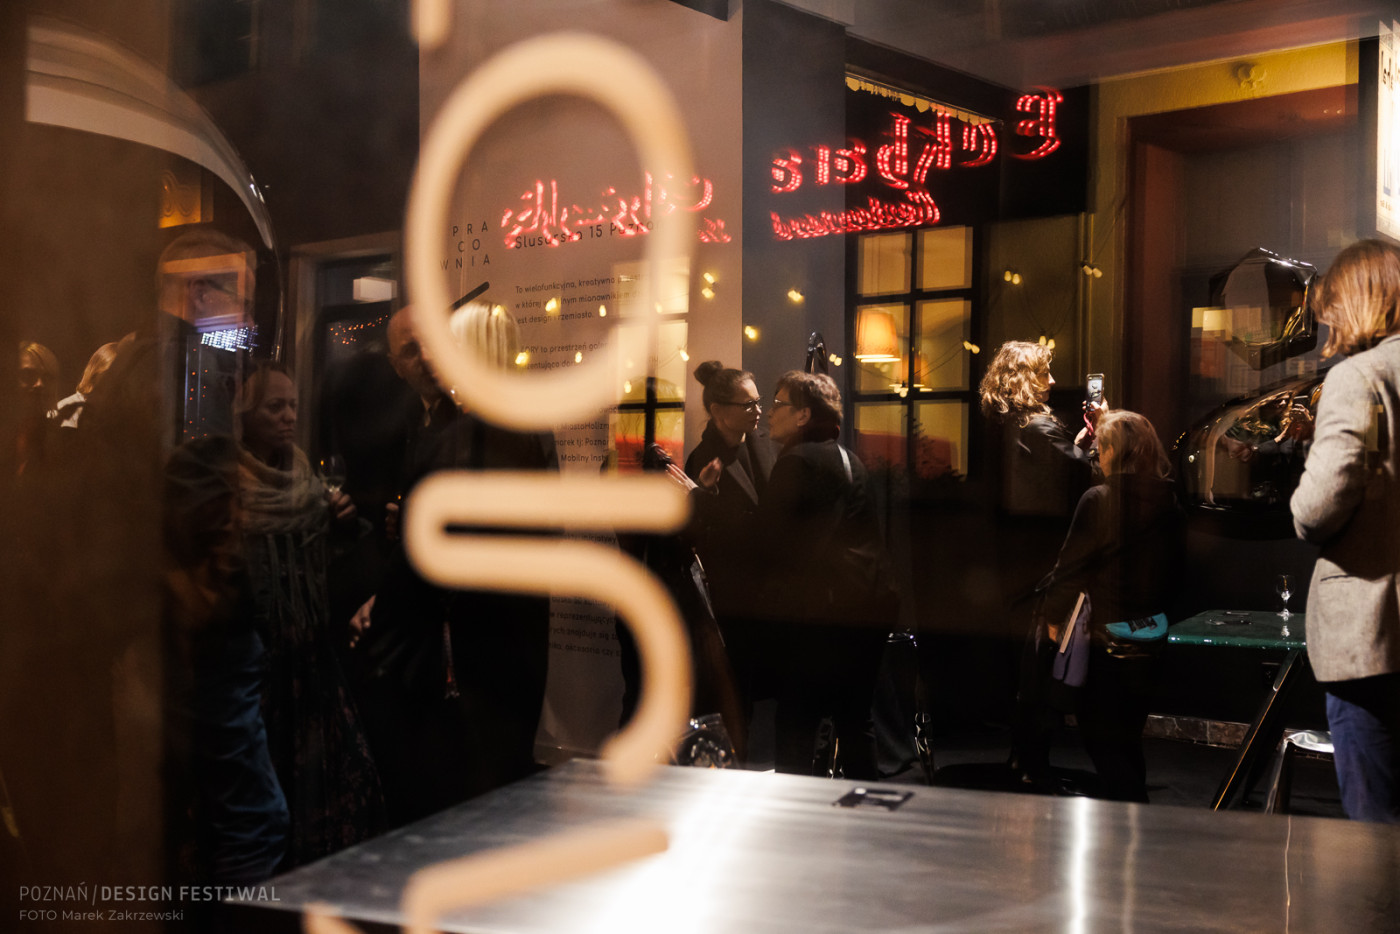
[1387, 136]
[552, 210]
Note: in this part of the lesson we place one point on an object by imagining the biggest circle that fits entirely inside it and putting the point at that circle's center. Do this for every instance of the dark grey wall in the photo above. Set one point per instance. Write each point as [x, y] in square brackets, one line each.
[794, 96]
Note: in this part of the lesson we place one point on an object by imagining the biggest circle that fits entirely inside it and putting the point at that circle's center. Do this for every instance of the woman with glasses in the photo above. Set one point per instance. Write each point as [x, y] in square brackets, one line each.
[731, 464]
[827, 581]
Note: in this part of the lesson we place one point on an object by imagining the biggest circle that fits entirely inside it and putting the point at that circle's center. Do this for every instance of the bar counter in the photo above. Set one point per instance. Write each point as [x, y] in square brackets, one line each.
[755, 852]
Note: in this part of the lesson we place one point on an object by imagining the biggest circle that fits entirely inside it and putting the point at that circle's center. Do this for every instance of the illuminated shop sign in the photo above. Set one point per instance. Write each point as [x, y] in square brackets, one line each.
[906, 161]
[547, 219]
[908, 158]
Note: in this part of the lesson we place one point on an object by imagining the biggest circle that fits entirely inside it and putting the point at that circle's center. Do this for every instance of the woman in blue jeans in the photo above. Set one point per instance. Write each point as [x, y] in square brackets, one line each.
[1348, 503]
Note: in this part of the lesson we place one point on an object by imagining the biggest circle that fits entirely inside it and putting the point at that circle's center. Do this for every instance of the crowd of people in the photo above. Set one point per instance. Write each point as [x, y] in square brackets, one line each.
[320, 691]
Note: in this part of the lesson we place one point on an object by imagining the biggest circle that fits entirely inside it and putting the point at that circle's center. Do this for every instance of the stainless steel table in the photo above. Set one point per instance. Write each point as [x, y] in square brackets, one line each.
[758, 852]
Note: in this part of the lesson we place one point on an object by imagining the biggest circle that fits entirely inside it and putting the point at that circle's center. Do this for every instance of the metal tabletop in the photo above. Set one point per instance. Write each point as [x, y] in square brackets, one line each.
[759, 852]
[1247, 628]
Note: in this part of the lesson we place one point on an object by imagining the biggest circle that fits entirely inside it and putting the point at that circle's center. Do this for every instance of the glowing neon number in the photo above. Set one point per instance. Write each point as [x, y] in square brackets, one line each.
[1043, 104]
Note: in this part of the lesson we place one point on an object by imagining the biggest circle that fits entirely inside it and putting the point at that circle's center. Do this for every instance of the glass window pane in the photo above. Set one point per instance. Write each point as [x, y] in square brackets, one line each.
[945, 258]
[940, 429]
[940, 359]
[884, 264]
[881, 338]
[880, 435]
[629, 437]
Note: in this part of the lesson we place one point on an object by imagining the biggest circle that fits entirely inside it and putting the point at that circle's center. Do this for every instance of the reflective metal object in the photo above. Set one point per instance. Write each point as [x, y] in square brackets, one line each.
[761, 852]
[1273, 290]
[1248, 454]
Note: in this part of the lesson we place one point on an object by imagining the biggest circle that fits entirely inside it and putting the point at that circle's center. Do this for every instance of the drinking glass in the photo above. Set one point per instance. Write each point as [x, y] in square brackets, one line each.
[1284, 586]
[333, 472]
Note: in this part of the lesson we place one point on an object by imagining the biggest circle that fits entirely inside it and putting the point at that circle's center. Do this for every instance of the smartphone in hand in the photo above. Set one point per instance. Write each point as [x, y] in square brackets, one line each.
[1093, 393]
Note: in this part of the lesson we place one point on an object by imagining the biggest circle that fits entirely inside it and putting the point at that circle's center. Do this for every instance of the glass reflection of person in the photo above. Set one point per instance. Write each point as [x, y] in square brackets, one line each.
[455, 680]
[314, 735]
[1348, 504]
[732, 462]
[1039, 472]
[1121, 550]
[824, 566]
[38, 386]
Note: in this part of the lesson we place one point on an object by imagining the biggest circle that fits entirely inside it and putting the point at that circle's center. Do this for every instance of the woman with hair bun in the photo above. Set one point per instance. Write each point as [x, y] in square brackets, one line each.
[732, 463]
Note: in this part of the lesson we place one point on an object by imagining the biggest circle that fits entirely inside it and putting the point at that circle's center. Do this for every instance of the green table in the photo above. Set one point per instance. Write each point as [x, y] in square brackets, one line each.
[1259, 630]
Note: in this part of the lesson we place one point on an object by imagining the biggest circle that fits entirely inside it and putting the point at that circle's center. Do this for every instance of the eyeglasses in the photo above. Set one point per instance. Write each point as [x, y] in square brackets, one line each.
[750, 406]
[779, 403]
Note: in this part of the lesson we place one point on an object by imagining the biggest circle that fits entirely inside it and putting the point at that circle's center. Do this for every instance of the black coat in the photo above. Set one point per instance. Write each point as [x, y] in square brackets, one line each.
[723, 525]
[822, 546]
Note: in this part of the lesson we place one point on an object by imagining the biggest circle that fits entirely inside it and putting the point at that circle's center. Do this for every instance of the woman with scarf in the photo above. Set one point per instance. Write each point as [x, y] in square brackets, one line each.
[314, 734]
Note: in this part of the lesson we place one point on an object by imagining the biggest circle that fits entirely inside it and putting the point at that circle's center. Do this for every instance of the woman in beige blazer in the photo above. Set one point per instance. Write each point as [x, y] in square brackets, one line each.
[1348, 503]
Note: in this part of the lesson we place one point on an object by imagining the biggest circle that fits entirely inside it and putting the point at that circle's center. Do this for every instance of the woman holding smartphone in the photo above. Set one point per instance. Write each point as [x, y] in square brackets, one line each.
[1040, 470]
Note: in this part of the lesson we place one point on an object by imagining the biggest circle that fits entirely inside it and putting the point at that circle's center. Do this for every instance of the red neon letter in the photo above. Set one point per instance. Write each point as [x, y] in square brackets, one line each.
[892, 159]
[786, 175]
[849, 164]
[939, 152]
[982, 139]
[1041, 126]
[823, 164]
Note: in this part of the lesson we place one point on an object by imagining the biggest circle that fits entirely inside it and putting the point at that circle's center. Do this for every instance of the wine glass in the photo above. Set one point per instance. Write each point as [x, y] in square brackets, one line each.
[333, 472]
[1284, 586]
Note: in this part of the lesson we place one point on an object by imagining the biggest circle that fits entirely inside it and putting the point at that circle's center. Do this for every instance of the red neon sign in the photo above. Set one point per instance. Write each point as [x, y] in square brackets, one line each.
[1044, 104]
[918, 210]
[555, 222]
[904, 162]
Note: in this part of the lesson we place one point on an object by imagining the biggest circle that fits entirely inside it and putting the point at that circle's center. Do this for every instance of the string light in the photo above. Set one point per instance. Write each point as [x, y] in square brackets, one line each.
[578, 356]
[751, 332]
[835, 360]
[685, 356]
[709, 277]
[602, 311]
[794, 295]
[707, 292]
[552, 306]
[971, 347]
[522, 358]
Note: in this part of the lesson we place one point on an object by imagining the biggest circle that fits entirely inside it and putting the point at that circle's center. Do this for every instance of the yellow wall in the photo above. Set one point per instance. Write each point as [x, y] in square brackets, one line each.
[1183, 88]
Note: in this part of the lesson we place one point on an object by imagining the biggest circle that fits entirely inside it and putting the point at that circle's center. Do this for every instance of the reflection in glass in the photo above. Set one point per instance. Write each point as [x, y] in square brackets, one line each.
[884, 264]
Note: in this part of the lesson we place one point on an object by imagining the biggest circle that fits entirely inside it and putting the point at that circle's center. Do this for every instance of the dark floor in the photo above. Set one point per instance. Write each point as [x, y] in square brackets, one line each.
[1179, 773]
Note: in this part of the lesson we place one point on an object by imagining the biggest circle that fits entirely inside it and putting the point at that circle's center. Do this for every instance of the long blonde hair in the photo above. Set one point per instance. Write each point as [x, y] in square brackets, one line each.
[1012, 385]
[1359, 298]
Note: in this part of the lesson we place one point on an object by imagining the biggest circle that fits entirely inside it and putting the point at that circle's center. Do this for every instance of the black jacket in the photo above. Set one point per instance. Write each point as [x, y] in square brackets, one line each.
[823, 553]
[722, 527]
